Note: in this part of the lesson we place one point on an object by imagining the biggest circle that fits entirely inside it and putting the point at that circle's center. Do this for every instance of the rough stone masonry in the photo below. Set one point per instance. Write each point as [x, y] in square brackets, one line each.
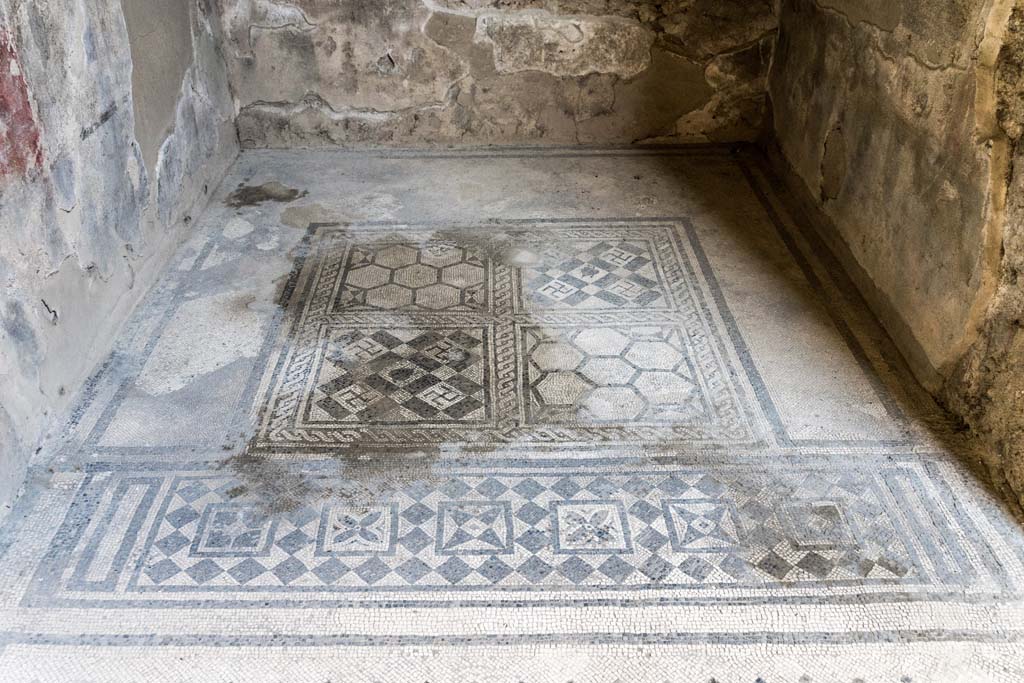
[901, 122]
[412, 72]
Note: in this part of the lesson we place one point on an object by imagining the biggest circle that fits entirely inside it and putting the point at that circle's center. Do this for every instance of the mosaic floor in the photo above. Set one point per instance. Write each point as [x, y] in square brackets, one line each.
[560, 415]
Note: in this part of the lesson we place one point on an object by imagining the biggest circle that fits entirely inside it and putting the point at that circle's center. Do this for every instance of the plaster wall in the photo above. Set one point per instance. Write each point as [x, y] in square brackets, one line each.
[160, 37]
[414, 72]
[103, 161]
[890, 118]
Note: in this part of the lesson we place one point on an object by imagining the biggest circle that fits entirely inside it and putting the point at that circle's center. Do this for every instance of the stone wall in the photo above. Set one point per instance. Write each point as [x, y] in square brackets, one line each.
[885, 114]
[411, 72]
[987, 385]
[97, 186]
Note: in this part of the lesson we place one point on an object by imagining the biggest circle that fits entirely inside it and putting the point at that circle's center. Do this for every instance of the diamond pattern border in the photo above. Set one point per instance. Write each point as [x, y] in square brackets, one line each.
[686, 529]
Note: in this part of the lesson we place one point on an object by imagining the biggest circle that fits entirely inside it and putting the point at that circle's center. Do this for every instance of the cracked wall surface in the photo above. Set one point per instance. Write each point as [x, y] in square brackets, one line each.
[897, 121]
[101, 167]
[412, 72]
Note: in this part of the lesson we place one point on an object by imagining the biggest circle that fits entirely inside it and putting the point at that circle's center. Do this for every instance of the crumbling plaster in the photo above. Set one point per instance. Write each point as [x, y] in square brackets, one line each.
[414, 72]
[87, 222]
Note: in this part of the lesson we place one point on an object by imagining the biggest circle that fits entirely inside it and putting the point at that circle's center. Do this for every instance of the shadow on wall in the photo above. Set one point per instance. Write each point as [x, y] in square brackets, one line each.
[987, 385]
[821, 293]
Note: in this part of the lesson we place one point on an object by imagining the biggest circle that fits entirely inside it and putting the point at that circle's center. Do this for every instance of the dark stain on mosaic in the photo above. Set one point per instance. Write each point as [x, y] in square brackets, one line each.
[253, 195]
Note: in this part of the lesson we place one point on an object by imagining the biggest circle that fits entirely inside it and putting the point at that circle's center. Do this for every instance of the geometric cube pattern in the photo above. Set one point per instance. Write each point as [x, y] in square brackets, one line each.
[553, 333]
[398, 375]
[595, 274]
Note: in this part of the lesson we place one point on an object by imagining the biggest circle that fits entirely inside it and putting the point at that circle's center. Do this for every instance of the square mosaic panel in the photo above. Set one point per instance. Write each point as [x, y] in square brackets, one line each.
[702, 524]
[636, 353]
[590, 526]
[589, 275]
[357, 530]
[470, 527]
[230, 530]
[694, 533]
[613, 375]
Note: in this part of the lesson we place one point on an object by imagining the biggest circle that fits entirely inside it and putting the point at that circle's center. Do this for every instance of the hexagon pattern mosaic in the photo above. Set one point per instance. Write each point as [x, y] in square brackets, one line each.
[608, 375]
[437, 276]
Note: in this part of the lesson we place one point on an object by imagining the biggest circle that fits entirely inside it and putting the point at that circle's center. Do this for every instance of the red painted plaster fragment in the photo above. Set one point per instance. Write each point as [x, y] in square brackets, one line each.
[20, 148]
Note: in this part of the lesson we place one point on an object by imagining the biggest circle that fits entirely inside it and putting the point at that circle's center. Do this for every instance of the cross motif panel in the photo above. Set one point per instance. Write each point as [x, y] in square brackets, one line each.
[594, 526]
[227, 529]
[357, 530]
